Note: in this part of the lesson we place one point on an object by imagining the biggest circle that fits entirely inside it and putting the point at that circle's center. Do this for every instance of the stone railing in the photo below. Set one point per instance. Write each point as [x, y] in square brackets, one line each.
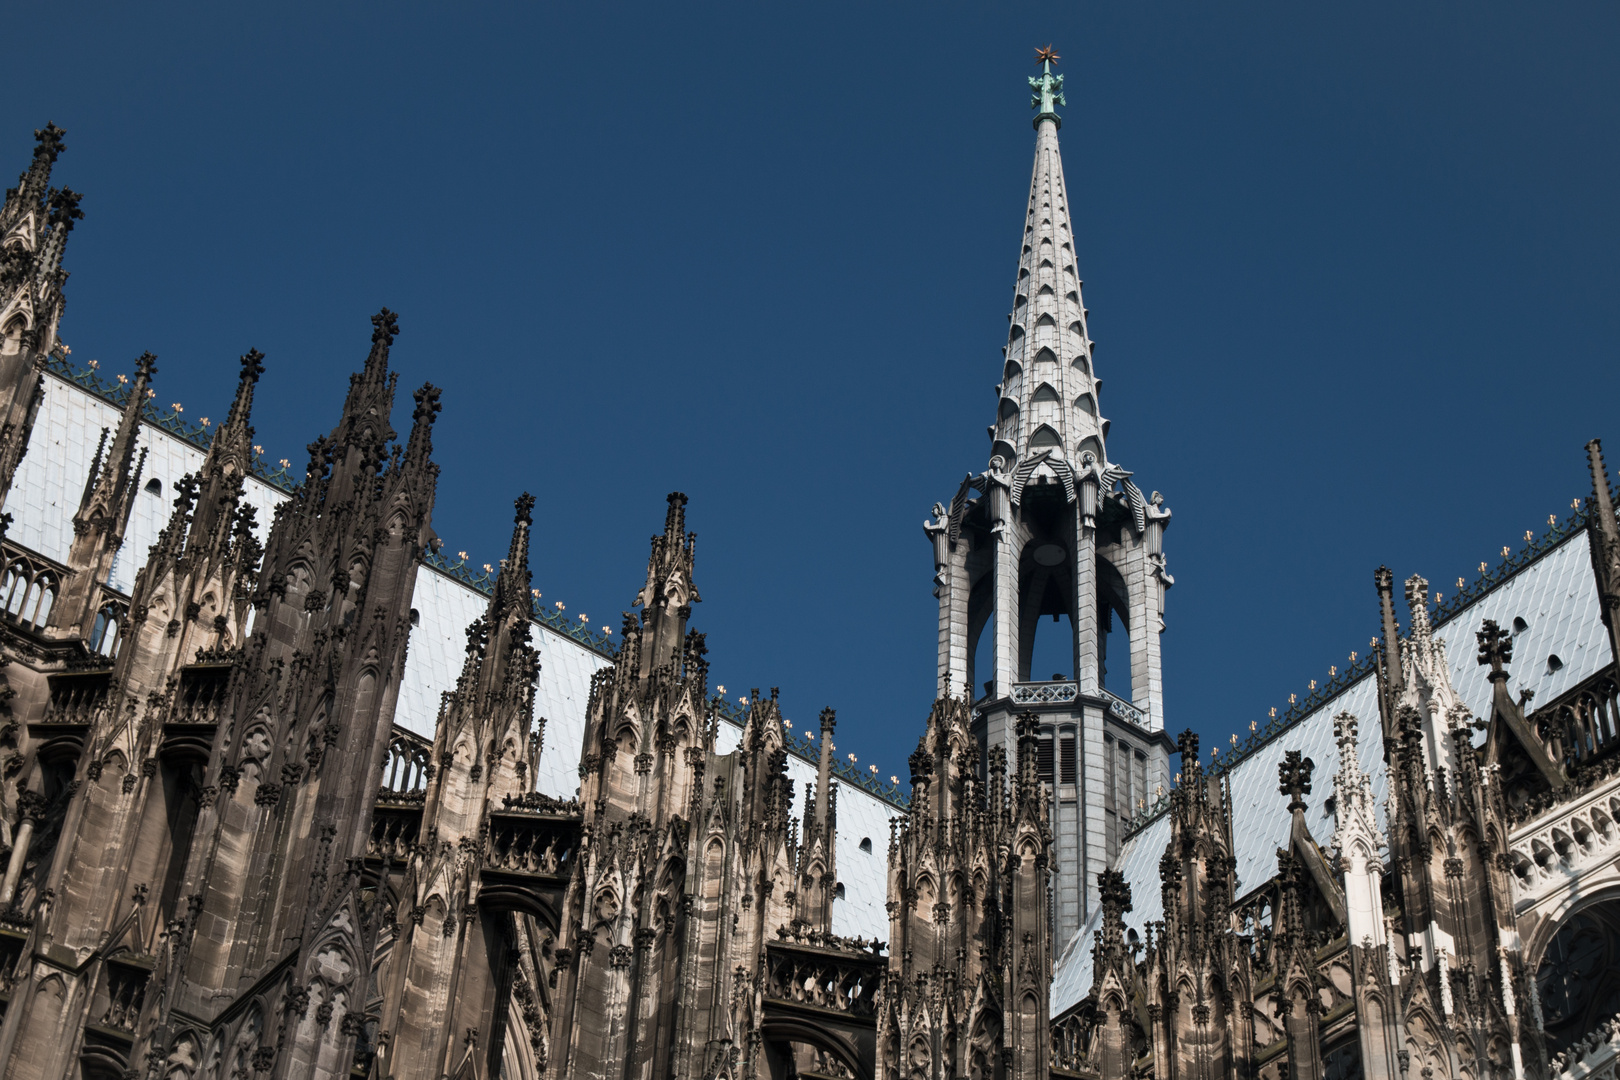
[1596, 1057]
[1061, 692]
[1583, 723]
[77, 698]
[846, 982]
[1069, 1046]
[1044, 693]
[538, 802]
[396, 825]
[532, 843]
[1124, 709]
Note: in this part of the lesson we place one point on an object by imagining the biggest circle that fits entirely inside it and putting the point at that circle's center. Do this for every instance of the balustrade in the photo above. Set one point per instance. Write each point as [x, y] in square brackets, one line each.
[1044, 693]
[837, 980]
[77, 698]
[1583, 724]
[28, 587]
[532, 843]
[407, 767]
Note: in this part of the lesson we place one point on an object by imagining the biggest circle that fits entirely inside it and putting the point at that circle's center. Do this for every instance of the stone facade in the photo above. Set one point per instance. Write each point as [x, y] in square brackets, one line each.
[223, 858]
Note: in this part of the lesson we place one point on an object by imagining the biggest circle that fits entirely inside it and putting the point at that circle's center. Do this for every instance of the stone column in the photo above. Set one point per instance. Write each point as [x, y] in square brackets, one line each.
[30, 812]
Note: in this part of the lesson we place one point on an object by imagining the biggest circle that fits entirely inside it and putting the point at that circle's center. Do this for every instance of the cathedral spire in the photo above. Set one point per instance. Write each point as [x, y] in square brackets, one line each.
[1048, 394]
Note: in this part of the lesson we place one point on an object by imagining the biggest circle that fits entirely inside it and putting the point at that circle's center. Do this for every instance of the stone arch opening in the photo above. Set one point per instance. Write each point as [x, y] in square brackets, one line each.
[1578, 978]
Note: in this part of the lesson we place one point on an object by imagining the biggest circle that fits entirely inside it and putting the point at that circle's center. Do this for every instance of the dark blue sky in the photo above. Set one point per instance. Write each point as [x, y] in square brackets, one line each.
[1352, 271]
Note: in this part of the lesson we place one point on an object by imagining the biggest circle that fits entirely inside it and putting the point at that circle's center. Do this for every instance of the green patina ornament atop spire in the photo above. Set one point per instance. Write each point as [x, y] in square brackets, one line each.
[1046, 92]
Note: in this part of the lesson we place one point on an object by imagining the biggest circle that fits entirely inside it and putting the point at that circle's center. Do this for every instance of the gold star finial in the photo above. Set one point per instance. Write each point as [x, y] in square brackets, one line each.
[1047, 55]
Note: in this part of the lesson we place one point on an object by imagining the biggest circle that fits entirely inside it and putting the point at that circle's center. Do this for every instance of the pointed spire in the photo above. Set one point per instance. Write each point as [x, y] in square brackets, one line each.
[420, 445]
[513, 581]
[1048, 394]
[829, 721]
[104, 510]
[108, 491]
[1388, 662]
[34, 224]
[30, 192]
[365, 425]
[1417, 603]
[242, 405]
[230, 456]
[667, 597]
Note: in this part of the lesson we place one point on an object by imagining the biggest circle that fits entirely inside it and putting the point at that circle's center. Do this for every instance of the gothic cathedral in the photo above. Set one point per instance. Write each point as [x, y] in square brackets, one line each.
[287, 792]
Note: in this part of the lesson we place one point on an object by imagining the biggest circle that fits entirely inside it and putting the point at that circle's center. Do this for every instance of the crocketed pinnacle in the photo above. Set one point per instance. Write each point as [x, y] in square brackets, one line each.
[109, 492]
[32, 186]
[513, 582]
[1048, 395]
[371, 392]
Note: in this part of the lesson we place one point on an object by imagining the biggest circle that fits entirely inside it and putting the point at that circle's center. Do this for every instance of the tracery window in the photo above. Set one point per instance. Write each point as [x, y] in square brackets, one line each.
[1577, 982]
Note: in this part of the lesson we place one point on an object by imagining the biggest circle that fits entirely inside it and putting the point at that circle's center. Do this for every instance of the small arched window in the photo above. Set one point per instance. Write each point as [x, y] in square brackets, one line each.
[1043, 439]
[154, 486]
[866, 844]
[838, 891]
[1554, 663]
[1519, 625]
[416, 617]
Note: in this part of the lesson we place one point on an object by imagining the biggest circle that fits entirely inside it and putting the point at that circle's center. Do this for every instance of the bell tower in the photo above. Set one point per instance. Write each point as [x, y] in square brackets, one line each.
[1052, 527]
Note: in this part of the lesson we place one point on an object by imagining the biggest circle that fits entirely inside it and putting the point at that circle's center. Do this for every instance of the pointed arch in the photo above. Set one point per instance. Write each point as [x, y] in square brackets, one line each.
[1044, 393]
[1044, 438]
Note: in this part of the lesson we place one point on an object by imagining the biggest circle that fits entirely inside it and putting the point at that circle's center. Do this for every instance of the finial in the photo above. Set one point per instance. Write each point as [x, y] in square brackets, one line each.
[524, 504]
[427, 403]
[1187, 744]
[1495, 649]
[1046, 92]
[64, 209]
[50, 142]
[1294, 778]
[252, 365]
[385, 328]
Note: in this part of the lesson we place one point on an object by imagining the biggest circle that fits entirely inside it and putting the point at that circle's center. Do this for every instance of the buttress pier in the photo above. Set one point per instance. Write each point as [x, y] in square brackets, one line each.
[1053, 528]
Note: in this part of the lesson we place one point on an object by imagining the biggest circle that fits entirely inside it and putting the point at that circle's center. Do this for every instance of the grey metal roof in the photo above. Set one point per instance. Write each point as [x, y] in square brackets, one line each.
[1556, 598]
[46, 493]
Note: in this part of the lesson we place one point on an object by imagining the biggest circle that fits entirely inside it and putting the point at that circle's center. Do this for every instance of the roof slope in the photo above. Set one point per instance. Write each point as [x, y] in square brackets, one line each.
[1556, 598]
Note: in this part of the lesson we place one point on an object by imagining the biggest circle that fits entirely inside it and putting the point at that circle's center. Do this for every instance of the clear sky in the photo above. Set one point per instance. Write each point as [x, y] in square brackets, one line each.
[1352, 269]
